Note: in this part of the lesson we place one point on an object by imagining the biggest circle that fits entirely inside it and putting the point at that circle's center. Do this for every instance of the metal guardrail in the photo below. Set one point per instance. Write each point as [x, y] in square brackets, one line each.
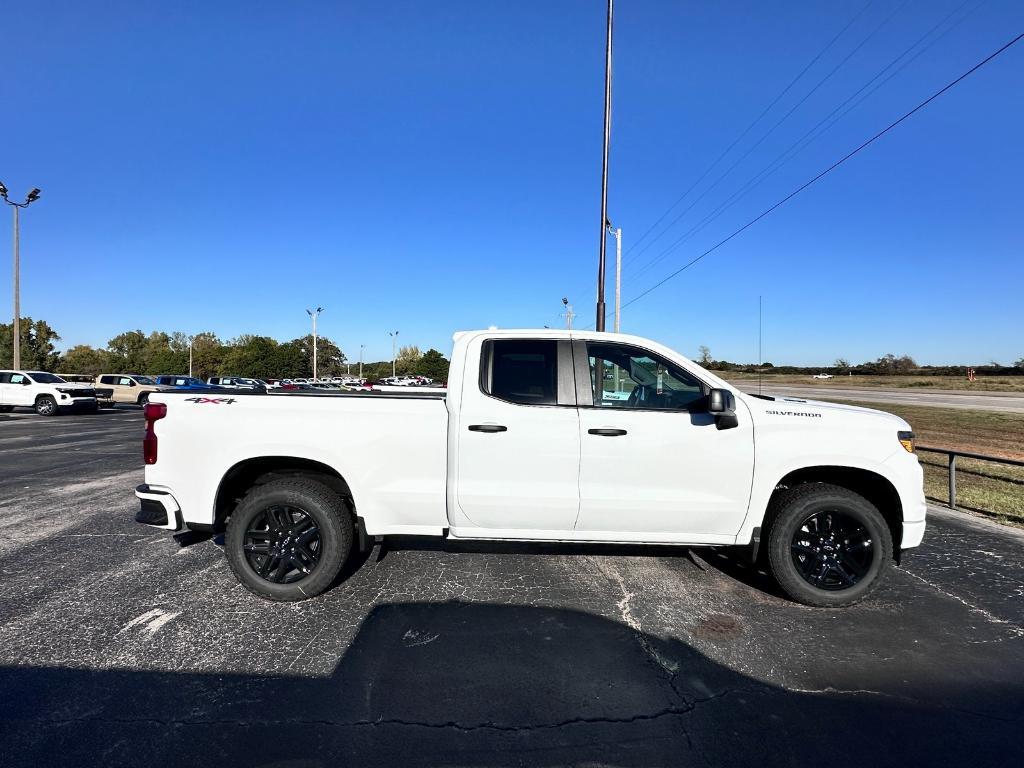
[952, 454]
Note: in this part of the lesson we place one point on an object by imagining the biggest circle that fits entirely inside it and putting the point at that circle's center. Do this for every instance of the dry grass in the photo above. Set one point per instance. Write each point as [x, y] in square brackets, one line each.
[960, 383]
[994, 490]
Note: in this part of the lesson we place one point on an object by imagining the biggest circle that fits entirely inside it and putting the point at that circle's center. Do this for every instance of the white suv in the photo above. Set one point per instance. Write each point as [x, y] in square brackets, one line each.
[47, 393]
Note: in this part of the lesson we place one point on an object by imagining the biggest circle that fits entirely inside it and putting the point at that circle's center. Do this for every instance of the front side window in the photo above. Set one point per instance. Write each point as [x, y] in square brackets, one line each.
[630, 377]
[522, 371]
[124, 381]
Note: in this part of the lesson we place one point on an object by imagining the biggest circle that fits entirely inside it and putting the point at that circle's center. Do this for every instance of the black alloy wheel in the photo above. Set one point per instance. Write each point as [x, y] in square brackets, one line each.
[832, 550]
[282, 544]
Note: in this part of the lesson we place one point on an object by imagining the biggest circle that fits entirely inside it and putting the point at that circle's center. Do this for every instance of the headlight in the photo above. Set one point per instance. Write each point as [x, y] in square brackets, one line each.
[906, 440]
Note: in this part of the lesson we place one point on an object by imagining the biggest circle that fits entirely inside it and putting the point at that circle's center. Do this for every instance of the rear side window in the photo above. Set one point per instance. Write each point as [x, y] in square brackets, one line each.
[521, 371]
[106, 379]
[5, 378]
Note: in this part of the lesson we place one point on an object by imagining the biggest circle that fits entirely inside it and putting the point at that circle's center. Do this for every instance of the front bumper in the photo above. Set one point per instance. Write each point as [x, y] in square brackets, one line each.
[159, 508]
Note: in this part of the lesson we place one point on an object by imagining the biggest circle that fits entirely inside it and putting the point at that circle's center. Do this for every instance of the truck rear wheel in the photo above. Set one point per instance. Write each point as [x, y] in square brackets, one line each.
[827, 546]
[288, 539]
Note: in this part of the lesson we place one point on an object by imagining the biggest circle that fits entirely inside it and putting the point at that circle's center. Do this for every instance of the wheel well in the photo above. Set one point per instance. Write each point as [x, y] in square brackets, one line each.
[244, 475]
[872, 486]
[41, 395]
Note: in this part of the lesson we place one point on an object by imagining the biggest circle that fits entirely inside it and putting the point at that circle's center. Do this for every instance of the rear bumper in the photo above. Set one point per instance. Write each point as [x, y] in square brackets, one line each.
[158, 508]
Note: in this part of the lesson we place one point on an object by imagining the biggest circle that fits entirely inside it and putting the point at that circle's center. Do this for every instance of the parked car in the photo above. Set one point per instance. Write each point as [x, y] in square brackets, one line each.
[184, 382]
[526, 446]
[126, 388]
[238, 382]
[47, 393]
[822, 376]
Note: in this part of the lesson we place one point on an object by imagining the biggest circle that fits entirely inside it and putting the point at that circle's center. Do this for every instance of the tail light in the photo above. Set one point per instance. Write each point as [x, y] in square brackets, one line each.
[153, 413]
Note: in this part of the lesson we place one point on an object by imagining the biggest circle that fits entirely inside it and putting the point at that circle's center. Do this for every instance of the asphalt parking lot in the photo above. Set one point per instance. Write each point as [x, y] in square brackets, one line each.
[120, 645]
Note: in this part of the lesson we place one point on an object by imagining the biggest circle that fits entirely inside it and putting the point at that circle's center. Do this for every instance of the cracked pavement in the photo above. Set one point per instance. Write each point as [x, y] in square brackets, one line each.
[120, 646]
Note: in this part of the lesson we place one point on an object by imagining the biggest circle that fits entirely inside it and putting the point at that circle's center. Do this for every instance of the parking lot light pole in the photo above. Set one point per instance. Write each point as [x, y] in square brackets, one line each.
[314, 314]
[16, 326]
[394, 345]
[361, 348]
[190, 338]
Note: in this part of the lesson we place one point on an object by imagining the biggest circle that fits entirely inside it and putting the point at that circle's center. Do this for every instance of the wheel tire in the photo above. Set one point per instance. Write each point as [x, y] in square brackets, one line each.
[309, 497]
[46, 405]
[143, 399]
[797, 514]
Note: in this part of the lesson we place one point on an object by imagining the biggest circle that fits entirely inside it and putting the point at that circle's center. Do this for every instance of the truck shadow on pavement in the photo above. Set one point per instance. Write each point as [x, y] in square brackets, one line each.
[475, 684]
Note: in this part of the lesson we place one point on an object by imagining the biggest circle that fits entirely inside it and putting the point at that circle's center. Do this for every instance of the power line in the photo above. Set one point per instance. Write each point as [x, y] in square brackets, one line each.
[828, 170]
[750, 127]
[803, 142]
[779, 122]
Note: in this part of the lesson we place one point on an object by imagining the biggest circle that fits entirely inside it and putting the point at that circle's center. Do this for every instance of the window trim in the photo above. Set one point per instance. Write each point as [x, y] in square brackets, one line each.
[582, 368]
[565, 381]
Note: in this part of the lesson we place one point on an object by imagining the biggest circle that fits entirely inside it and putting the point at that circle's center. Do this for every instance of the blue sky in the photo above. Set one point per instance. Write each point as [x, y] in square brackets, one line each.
[429, 167]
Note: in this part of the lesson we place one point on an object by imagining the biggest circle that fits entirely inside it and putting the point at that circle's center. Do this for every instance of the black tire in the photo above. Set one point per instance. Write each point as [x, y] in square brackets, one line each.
[827, 546]
[303, 500]
[143, 399]
[46, 405]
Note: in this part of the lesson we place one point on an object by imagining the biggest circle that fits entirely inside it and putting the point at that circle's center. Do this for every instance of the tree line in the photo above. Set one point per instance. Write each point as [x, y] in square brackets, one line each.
[159, 352]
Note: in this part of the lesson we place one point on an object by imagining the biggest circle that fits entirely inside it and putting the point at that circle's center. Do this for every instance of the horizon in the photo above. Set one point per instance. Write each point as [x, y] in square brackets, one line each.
[224, 168]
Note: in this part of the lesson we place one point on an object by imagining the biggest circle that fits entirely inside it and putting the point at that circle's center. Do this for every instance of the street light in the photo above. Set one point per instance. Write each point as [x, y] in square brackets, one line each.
[361, 348]
[16, 328]
[394, 343]
[314, 314]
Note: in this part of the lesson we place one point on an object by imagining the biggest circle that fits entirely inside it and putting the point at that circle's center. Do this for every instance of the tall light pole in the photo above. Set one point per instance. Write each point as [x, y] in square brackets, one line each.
[618, 273]
[568, 314]
[599, 324]
[190, 339]
[16, 327]
[394, 346]
[361, 348]
[314, 314]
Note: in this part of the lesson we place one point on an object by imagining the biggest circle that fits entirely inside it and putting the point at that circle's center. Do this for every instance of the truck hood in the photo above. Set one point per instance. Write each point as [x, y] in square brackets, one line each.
[69, 385]
[799, 408]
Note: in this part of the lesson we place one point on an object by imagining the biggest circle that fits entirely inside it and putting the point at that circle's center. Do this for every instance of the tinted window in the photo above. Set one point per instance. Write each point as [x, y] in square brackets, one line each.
[630, 377]
[522, 371]
[106, 379]
[5, 378]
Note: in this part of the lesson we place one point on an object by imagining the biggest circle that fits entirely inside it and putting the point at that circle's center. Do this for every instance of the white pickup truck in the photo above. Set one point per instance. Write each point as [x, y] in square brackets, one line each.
[541, 436]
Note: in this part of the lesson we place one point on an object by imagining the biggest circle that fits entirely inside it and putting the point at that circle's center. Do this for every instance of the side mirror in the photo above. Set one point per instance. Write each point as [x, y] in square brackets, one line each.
[722, 405]
[133, 384]
[26, 383]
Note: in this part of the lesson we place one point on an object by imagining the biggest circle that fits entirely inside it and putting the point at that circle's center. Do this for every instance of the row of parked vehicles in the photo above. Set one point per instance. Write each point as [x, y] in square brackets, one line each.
[49, 393]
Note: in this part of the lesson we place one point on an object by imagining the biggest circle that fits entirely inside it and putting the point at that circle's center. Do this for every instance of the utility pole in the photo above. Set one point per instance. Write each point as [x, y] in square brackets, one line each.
[361, 348]
[16, 327]
[314, 314]
[190, 338]
[599, 324]
[568, 314]
[394, 345]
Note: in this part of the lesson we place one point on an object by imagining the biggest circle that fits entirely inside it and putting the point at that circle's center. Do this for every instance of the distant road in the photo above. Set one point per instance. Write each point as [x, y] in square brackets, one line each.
[1006, 402]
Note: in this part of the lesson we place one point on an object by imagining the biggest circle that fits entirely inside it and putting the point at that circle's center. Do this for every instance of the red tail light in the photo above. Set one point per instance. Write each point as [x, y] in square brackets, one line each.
[153, 413]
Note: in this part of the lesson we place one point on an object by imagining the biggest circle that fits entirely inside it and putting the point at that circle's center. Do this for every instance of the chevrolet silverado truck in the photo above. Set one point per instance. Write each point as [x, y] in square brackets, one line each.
[130, 388]
[543, 435]
[46, 393]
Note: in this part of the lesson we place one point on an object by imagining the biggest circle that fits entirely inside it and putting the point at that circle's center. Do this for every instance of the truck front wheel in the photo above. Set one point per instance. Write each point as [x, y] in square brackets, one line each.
[827, 546]
[46, 405]
[288, 539]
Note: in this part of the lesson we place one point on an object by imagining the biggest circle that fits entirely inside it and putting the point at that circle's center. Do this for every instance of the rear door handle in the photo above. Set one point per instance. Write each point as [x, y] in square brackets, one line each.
[607, 432]
[487, 428]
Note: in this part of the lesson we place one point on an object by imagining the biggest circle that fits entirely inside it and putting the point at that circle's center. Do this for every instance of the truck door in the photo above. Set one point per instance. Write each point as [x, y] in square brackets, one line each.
[652, 460]
[518, 441]
[17, 390]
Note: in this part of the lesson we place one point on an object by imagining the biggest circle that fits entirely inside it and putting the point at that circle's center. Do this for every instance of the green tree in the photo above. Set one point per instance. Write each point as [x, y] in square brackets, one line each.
[128, 352]
[254, 356]
[434, 365]
[37, 349]
[207, 355]
[82, 358]
[330, 360]
[161, 357]
[407, 360]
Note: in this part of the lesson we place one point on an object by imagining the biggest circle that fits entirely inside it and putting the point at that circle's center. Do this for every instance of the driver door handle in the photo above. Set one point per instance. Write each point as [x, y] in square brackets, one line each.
[487, 428]
[607, 432]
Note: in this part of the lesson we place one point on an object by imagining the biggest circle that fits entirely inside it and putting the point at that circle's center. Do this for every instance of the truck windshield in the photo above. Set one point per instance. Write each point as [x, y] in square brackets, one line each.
[41, 377]
[144, 380]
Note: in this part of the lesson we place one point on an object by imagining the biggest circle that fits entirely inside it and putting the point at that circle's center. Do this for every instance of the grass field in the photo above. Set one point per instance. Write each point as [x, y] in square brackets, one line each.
[993, 490]
[989, 384]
